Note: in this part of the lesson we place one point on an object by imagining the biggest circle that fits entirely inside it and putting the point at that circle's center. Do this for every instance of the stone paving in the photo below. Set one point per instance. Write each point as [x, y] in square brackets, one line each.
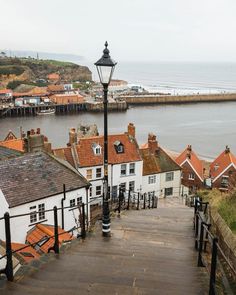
[150, 252]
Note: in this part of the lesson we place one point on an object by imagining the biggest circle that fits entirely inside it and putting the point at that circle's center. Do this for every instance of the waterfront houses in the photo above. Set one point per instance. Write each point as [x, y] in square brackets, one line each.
[33, 183]
[192, 177]
[125, 162]
[223, 170]
[161, 174]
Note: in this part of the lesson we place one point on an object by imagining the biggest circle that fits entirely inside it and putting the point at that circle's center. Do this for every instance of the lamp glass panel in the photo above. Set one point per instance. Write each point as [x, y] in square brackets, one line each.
[105, 73]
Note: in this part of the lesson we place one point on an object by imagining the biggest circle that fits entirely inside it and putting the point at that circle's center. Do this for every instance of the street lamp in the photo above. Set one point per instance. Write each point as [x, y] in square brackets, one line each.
[105, 67]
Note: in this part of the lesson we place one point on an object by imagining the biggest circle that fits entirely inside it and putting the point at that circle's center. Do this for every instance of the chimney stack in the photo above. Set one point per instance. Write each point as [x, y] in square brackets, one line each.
[131, 130]
[152, 143]
[227, 149]
[72, 136]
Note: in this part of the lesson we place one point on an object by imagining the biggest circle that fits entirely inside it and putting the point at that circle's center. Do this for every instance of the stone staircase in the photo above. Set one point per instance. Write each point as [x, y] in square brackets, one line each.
[150, 252]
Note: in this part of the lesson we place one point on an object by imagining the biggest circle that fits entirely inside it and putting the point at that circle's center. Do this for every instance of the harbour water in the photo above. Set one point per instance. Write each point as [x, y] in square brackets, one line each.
[209, 127]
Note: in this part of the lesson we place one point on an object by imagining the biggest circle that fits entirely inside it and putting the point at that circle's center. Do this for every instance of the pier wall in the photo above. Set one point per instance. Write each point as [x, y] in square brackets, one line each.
[176, 99]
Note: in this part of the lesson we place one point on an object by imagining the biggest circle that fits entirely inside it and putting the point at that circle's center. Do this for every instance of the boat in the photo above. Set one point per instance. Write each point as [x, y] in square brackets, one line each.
[46, 112]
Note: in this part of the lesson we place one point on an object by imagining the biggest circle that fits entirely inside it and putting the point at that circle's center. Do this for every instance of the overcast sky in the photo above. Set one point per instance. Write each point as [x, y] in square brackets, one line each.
[143, 30]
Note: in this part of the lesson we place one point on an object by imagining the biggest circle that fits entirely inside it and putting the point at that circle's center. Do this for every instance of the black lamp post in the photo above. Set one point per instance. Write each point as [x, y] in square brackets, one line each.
[105, 67]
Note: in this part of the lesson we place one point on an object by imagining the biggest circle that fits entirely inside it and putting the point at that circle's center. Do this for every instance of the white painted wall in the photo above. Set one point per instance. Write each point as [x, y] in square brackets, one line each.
[175, 183]
[114, 177]
[21, 225]
[154, 187]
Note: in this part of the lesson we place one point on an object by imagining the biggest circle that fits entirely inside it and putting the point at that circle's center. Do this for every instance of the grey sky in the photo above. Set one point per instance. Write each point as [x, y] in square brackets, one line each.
[160, 30]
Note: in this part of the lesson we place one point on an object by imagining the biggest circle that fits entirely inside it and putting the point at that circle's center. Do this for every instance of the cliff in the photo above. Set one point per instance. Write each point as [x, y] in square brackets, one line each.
[29, 70]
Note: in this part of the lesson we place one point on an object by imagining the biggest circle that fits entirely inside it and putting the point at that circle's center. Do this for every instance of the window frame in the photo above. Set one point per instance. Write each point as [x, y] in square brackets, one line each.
[132, 170]
[89, 176]
[169, 176]
[98, 174]
[152, 179]
[125, 170]
[169, 194]
[98, 190]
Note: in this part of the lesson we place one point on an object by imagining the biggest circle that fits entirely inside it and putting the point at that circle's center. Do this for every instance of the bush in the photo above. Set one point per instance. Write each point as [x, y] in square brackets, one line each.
[13, 84]
[11, 70]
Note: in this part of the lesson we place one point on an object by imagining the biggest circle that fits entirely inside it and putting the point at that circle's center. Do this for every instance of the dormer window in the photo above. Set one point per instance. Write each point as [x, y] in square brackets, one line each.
[97, 149]
[119, 147]
[216, 167]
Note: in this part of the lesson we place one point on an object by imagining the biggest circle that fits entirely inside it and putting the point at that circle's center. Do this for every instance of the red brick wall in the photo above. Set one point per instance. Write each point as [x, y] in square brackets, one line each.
[217, 183]
[186, 170]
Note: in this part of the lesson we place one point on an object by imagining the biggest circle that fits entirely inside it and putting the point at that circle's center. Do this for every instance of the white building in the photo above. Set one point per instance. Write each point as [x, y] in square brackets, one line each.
[161, 174]
[33, 184]
[125, 163]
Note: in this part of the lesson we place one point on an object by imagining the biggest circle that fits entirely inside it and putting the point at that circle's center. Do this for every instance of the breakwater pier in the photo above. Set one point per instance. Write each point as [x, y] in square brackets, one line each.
[142, 99]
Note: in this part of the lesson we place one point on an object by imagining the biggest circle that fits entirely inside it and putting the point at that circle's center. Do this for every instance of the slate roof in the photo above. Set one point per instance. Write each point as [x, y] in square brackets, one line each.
[157, 162]
[6, 153]
[36, 176]
[87, 158]
[190, 156]
[224, 160]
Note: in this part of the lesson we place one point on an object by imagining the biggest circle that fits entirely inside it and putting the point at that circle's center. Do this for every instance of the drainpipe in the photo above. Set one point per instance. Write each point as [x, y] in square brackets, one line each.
[62, 206]
[87, 205]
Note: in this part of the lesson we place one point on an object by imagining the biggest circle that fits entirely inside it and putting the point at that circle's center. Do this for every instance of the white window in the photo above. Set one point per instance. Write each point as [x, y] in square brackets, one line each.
[123, 169]
[79, 201]
[33, 214]
[98, 172]
[168, 191]
[98, 190]
[152, 179]
[96, 149]
[169, 176]
[41, 209]
[191, 176]
[89, 174]
[131, 168]
[72, 203]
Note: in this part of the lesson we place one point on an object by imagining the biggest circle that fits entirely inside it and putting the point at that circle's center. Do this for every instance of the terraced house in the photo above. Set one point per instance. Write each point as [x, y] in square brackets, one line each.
[223, 170]
[161, 174]
[125, 162]
[192, 177]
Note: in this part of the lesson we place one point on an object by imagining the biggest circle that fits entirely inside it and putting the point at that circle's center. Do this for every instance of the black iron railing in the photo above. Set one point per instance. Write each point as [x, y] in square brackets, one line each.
[210, 254]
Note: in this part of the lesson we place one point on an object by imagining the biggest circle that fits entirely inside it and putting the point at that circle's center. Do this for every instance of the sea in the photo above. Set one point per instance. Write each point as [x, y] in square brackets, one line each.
[208, 127]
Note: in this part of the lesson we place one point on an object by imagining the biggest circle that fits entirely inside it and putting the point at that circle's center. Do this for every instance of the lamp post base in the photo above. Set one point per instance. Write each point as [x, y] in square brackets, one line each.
[106, 231]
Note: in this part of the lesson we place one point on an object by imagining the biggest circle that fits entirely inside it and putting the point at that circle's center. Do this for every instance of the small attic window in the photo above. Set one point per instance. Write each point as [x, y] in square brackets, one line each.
[216, 167]
[119, 147]
[97, 149]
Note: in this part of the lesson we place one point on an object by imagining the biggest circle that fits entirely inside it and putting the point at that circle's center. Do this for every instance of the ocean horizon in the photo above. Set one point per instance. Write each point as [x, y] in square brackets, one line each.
[177, 77]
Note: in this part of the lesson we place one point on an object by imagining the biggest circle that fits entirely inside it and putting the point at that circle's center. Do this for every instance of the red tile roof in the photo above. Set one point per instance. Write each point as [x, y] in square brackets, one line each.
[221, 163]
[87, 157]
[27, 254]
[14, 144]
[5, 91]
[190, 156]
[64, 154]
[43, 231]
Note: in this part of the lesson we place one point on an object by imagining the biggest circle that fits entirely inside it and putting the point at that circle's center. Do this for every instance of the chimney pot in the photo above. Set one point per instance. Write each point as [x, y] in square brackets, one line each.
[131, 129]
[152, 143]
